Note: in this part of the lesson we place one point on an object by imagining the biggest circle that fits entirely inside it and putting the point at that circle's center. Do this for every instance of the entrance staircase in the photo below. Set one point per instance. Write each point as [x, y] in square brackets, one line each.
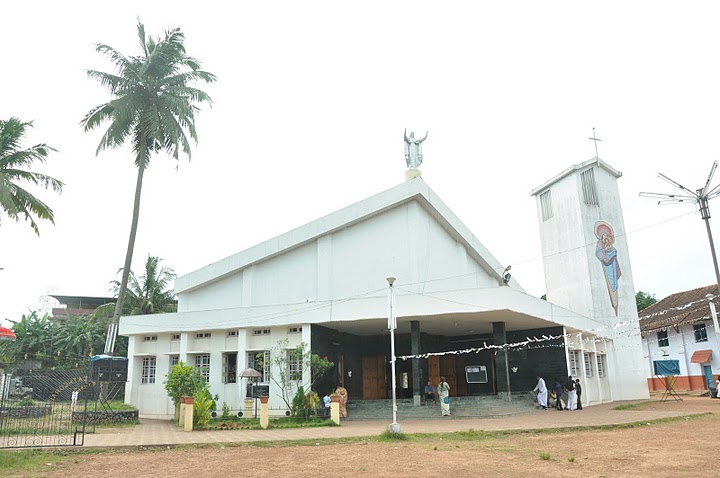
[463, 407]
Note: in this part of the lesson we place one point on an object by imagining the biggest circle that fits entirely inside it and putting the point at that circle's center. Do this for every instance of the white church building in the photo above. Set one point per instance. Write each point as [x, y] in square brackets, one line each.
[324, 284]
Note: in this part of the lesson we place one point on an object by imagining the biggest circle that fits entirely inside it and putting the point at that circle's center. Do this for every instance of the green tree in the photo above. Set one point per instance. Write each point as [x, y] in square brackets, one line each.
[644, 300]
[79, 337]
[34, 339]
[14, 199]
[151, 292]
[153, 108]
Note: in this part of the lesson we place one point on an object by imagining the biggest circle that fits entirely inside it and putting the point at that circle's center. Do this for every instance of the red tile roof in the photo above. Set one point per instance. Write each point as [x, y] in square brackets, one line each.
[678, 309]
[701, 356]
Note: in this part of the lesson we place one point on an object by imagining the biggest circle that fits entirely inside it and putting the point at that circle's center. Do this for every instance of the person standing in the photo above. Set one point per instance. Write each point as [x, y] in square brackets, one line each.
[570, 386]
[444, 397]
[343, 394]
[541, 391]
[578, 390]
[558, 391]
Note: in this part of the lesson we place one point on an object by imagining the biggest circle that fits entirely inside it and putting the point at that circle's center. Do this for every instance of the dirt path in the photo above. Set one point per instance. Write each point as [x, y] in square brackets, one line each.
[681, 448]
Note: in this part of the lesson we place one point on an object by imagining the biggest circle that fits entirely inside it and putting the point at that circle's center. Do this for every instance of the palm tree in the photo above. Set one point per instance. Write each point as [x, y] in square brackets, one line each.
[153, 107]
[15, 200]
[151, 294]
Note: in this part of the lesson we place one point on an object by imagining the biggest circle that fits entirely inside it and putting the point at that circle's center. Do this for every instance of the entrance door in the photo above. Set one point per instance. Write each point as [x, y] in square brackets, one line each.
[707, 370]
[374, 378]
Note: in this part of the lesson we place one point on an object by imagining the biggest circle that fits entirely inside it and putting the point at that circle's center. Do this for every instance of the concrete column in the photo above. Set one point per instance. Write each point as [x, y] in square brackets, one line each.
[415, 350]
[264, 412]
[502, 365]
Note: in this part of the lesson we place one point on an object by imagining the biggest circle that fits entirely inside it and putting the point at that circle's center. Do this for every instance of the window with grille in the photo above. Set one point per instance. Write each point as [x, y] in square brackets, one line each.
[202, 362]
[203, 335]
[295, 366]
[148, 369]
[601, 365]
[294, 330]
[232, 333]
[261, 332]
[588, 364]
[574, 365]
[663, 340]
[230, 367]
[546, 208]
[587, 178]
[150, 338]
[700, 333]
[174, 360]
[175, 337]
[260, 361]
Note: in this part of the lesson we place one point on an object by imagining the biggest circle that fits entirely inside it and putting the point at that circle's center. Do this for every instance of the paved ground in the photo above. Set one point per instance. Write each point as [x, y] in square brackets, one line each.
[162, 432]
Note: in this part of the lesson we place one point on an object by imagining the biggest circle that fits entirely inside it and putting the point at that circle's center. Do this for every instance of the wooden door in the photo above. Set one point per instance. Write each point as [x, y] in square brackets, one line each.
[374, 377]
[433, 370]
[447, 370]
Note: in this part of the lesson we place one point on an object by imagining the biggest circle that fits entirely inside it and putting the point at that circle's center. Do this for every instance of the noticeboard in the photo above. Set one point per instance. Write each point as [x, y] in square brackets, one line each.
[260, 391]
[476, 374]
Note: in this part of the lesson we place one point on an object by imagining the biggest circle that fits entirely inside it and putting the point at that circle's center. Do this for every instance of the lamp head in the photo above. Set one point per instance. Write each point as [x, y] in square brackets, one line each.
[391, 280]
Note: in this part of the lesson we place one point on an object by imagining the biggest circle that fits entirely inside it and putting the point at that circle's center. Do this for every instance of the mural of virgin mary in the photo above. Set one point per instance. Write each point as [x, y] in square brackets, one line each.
[607, 255]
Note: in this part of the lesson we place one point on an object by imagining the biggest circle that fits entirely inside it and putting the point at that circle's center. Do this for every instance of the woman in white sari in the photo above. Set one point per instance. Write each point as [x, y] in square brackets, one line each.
[444, 397]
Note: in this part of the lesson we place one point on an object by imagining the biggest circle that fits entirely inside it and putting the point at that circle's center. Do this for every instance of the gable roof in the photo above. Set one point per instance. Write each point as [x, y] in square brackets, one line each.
[596, 160]
[413, 190]
[680, 308]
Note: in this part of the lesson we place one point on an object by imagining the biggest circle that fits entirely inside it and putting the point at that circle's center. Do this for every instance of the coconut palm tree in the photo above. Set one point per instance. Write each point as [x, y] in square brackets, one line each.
[151, 292]
[153, 107]
[15, 200]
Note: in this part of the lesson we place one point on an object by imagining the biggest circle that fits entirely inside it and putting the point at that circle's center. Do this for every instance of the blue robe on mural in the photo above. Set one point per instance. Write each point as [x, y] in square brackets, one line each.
[607, 255]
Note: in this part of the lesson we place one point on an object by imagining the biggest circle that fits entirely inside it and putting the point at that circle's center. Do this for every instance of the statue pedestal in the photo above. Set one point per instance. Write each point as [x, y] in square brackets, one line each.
[412, 173]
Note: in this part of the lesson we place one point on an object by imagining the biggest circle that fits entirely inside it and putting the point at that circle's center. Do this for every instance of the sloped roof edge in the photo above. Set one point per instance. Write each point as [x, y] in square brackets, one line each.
[415, 189]
[678, 309]
[575, 167]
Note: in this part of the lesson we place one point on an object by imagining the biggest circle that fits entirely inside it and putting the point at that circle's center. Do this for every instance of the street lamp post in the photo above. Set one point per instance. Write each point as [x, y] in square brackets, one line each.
[392, 325]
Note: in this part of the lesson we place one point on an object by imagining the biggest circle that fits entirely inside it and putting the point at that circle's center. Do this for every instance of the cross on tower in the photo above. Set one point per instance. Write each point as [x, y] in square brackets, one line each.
[596, 140]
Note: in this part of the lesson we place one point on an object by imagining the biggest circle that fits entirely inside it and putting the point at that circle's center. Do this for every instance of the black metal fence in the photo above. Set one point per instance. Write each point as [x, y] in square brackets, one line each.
[37, 408]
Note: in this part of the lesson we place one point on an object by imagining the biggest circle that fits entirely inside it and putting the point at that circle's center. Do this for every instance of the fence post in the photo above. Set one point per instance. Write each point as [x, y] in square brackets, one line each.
[335, 409]
[264, 412]
[186, 413]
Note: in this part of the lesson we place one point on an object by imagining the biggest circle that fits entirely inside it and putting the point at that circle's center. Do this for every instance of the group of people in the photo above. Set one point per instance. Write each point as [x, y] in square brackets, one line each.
[571, 387]
[443, 395]
[341, 392]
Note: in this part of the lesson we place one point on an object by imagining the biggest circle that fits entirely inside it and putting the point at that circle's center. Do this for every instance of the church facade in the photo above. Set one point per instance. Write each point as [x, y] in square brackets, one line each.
[324, 285]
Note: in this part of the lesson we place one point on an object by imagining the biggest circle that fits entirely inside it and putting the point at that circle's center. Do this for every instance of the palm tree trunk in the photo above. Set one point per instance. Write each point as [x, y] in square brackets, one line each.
[113, 329]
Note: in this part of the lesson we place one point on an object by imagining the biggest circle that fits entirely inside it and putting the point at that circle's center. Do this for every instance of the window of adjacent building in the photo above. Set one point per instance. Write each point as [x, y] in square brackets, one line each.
[261, 332]
[174, 360]
[295, 367]
[601, 365]
[175, 337]
[294, 330]
[587, 178]
[148, 369]
[203, 335]
[574, 358]
[663, 340]
[546, 208]
[150, 338]
[260, 361]
[232, 333]
[700, 333]
[202, 362]
[230, 367]
[588, 364]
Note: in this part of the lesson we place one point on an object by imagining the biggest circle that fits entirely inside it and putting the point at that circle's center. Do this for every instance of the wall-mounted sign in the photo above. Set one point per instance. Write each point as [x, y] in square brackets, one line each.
[476, 374]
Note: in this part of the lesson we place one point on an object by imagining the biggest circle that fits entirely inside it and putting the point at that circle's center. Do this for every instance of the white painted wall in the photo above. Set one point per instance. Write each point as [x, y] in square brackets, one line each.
[681, 347]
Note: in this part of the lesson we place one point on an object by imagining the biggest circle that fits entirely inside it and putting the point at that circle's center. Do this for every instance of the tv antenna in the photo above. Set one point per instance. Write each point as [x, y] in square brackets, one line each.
[701, 197]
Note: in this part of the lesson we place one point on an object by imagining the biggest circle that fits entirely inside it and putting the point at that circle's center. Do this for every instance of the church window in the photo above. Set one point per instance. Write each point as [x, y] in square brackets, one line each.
[174, 360]
[663, 340]
[546, 205]
[230, 367]
[148, 369]
[700, 333]
[295, 366]
[261, 332]
[175, 337]
[574, 365]
[294, 330]
[587, 178]
[260, 361]
[202, 362]
[601, 365]
[232, 333]
[150, 338]
[588, 364]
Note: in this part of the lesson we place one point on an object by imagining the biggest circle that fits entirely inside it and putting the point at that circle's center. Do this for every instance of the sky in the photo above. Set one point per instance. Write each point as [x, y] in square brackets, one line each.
[308, 114]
